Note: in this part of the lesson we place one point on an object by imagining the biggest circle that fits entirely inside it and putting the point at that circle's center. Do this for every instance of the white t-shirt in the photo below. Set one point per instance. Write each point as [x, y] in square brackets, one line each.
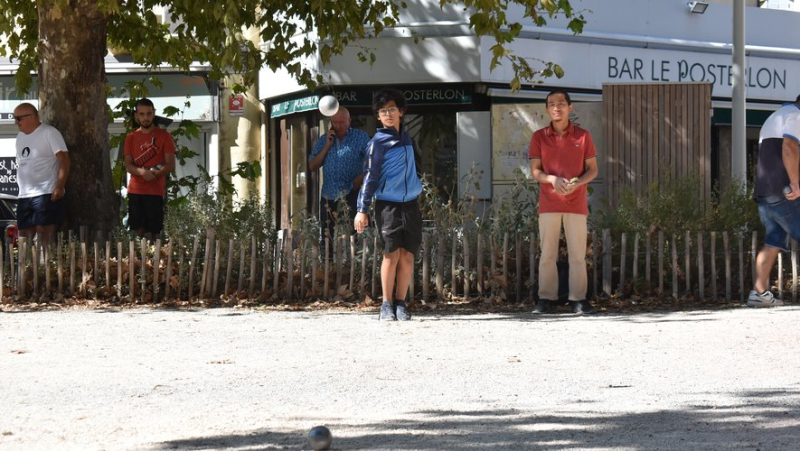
[783, 123]
[37, 171]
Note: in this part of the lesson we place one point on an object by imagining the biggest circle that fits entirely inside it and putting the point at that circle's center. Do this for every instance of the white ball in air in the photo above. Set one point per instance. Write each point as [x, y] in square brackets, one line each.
[328, 105]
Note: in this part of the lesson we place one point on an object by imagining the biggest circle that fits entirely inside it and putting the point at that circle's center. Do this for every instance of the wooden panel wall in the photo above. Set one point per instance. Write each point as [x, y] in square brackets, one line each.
[654, 131]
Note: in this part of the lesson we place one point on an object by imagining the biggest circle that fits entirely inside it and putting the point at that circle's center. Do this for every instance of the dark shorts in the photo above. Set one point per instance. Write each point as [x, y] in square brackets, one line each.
[781, 221]
[400, 225]
[146, 212]
[39, 211]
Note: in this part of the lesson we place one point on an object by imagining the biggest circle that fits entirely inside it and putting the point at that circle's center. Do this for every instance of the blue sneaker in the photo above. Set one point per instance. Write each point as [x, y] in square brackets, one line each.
[401, 312]
[387, 312]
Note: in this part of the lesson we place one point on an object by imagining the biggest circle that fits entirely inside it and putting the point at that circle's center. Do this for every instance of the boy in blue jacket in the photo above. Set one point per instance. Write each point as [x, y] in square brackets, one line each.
[391, 177]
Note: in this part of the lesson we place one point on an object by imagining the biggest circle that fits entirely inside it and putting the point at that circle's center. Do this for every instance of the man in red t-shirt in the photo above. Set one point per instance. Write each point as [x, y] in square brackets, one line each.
[149, 158]
[563, 161]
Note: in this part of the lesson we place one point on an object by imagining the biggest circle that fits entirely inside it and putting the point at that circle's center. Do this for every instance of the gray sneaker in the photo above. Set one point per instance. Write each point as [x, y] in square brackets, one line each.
[765, 299]
[387, 312]
[401, 311]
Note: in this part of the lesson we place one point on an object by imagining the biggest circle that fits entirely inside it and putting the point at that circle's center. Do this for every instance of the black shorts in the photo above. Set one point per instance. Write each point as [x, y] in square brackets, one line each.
[146, 211]
[39, 211]
[400, 225]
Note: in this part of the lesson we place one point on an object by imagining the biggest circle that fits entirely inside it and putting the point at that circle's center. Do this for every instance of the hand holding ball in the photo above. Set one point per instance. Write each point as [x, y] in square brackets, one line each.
[328, 105]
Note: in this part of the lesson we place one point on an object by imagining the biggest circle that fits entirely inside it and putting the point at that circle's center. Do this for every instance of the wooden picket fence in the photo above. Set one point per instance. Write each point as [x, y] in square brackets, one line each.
[466, 263]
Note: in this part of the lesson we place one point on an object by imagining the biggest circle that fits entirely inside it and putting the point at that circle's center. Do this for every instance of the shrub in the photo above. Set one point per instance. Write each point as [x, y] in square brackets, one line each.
[674, 206]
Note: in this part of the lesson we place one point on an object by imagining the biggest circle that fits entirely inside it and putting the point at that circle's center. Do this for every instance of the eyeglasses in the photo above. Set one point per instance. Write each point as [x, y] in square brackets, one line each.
[22, 116]
[388, 111]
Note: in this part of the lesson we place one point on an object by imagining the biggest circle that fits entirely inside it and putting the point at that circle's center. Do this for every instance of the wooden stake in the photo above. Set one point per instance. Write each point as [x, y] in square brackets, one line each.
[229, 267]
[623, 249]
[314, 267]
[363, 287]
[660, 262]
[11, 268]
[289, 265]
[253, 261]
[607, 262]
[352, 263]
[35, 261]
[132, 271]
[325, 287]
[169, 271]
[108, 263]
[240, 282]
[426, 266]
[156, 269]
[701, 276]
[217, 263]
[688, 261]
[143, 246]
[84, 257]
[532, 264]
[714, 265]
[119, 270]
[375, 276]
[635, 261]
[675, 267]
[595, 252]
[727, 266]
[453, 263]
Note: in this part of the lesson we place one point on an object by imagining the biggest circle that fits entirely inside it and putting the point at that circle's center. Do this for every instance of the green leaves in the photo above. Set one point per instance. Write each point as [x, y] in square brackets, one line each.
[242, 36]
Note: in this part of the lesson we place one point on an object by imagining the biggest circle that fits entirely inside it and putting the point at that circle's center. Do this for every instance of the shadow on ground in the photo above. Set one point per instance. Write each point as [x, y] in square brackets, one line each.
[755, 420]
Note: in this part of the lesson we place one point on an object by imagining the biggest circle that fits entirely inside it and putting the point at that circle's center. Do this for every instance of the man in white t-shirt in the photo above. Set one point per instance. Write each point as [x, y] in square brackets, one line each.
[777, 191]
[42, 169]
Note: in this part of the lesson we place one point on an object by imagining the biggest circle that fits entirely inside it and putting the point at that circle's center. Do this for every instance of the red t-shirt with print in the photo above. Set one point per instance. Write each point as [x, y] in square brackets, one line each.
[563, 156]
[147, 151]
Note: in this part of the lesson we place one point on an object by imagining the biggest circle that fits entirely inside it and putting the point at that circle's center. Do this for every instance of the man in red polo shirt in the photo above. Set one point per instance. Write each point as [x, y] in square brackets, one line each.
[563, 162]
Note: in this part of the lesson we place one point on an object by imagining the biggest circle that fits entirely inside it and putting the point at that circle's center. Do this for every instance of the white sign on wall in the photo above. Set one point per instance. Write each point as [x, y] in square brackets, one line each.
[588, 66]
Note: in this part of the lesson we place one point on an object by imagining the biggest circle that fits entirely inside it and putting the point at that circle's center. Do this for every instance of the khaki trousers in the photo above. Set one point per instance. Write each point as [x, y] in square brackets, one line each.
[549, 235]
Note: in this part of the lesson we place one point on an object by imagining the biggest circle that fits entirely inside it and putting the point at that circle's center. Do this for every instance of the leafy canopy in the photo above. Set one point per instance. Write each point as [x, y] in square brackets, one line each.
[221, 34]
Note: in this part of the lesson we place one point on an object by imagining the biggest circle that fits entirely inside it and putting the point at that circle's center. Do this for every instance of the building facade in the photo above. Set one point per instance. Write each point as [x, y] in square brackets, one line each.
[465, 118]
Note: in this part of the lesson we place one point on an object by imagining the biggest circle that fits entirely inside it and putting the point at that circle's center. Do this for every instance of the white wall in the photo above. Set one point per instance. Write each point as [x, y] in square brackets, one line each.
[645, 26]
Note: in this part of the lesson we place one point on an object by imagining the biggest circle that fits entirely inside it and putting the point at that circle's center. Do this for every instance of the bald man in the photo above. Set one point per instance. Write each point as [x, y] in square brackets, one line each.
[43, 166]
[341, 154]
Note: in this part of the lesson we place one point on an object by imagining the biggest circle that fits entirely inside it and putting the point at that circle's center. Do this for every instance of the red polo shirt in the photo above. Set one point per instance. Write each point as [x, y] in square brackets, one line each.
[562, 156]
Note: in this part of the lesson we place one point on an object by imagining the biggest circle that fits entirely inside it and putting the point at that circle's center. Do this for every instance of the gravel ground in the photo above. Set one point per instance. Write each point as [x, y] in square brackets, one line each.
[243, 379]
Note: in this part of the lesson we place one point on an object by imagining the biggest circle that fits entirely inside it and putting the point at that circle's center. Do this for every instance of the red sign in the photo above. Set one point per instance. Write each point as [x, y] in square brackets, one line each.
[236, 105]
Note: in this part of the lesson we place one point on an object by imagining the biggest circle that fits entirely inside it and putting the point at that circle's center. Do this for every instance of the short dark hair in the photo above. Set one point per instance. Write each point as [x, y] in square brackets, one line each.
[386, 95]
[797, 100]
[144, 101]
[558, 91]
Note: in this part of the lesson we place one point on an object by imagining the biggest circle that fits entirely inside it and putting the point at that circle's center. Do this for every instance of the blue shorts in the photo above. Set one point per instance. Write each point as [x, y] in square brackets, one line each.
[39, 211]
[781, 220]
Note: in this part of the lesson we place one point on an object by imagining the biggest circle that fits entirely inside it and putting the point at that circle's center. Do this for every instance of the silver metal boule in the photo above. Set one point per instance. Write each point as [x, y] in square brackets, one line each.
[328, 105]
[320, 437]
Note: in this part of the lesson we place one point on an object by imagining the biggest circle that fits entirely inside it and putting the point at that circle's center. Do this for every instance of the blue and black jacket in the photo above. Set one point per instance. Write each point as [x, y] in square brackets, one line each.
[391, 173]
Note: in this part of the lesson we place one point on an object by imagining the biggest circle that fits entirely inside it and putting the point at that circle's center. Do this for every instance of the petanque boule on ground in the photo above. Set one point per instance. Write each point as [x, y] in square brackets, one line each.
[320, 437]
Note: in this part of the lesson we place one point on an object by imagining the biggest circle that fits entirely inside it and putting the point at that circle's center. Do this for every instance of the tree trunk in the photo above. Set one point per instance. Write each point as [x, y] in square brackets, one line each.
[72, 98]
